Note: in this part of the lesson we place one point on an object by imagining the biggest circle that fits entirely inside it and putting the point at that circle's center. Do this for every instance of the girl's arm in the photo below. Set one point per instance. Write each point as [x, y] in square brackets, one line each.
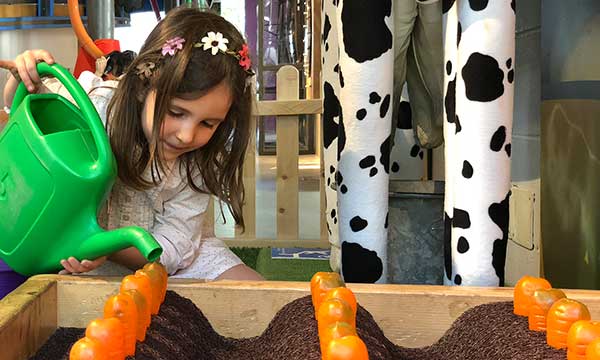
[178, 228]
[25, 64]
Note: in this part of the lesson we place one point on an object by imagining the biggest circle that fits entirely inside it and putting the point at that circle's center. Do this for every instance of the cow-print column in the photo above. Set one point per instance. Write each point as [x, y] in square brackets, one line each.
[363, 70]
[332, 118]
[482, 109]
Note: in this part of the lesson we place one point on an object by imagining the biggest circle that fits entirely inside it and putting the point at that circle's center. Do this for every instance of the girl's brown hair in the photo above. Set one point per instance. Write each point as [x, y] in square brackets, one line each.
[189, 74]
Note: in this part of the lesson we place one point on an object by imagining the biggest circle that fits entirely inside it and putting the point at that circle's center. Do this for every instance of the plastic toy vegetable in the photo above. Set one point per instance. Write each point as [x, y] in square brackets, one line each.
[157, 268]
[347, 348]
[140, 283]
[320, 283]
[334, 331]
[87, 349]
[333, 310]
[143, 311]
[108, 332]
[541, 302]
[156, 287]
[123, 307]
[523, 293]
[593, 350]
[581, 334]
[344, 294]
[562, 314]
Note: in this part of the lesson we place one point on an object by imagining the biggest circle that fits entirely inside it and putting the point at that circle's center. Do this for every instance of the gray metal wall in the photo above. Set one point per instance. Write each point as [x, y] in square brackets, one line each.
[570, 139]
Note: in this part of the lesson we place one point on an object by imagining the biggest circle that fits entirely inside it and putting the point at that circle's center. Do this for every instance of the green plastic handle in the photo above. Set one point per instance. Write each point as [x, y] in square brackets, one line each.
[86, 107]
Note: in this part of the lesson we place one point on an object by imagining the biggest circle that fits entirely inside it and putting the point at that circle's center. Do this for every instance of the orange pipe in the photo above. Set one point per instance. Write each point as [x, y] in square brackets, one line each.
[81, 32]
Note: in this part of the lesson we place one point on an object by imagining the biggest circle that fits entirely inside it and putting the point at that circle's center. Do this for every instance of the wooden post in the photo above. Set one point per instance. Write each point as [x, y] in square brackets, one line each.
[287, 157]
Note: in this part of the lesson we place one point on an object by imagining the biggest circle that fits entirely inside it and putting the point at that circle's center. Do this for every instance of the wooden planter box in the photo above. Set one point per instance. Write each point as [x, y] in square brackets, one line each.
[411, 316]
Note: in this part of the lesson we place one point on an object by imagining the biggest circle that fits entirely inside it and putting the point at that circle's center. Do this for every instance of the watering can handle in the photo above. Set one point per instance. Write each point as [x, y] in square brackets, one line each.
[85, 106]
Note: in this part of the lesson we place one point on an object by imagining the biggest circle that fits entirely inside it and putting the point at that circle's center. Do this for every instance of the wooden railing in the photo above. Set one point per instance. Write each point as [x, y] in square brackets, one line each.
[287, 109]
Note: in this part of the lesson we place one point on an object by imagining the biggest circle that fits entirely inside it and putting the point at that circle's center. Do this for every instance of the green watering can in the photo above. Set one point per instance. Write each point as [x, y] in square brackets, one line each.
[56, 170]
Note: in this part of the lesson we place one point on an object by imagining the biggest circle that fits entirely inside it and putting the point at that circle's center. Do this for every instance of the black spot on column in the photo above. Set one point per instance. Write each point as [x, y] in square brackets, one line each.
[498, 212]
[367, 161]
[395, 167]
[448, 245]
[498, 139]
[361, 114]
[483, 78]
[357, 223]
[331, 109]
[467, 170]
[341, 136]
[326, 29]
[414, 150]
[458, 279]
[461, 219]
[448, 67]
[385, 105]
[404, 116]
[458, 33]
[366, 36]
[463, 245]
[446, 5]
[385, 154]
[373, 172]
[450, 101]
[360, 265]
[507, 148]
[374, 98]
[478, 5]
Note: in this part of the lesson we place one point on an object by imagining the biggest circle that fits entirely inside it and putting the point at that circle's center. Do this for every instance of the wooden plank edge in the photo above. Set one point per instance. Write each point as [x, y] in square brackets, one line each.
[28, 317]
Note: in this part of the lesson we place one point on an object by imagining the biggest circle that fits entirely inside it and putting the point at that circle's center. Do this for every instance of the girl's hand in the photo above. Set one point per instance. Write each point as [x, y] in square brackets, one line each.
[73, 266]
[26, 63]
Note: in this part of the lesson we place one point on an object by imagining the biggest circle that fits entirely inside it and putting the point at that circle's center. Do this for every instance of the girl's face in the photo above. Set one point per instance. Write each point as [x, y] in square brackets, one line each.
[188, 124]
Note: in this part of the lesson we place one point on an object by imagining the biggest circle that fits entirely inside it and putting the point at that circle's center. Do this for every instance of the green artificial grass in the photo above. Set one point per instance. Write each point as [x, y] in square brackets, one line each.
[280, 269]
[247, 254]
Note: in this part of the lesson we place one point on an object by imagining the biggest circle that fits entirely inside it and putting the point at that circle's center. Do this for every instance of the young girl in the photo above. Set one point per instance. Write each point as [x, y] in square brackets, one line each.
[178, 122]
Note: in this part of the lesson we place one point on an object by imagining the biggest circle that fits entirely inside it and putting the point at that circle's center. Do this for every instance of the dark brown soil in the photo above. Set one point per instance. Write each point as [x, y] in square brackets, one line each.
[180, 331]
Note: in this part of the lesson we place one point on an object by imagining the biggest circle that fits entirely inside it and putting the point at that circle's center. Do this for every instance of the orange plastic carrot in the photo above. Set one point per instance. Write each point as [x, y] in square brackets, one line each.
[334, 331]
[157, 268]
[109, 332]
[333, 310]
[138, 282]
[156, 287]
[562, 314]
[88, 349]
[342, 293]
[581, 334]
[593, 350]
[320, 283]
[347, 348]
[123, 307]
[541, 302]
[523, 293]
[143, 311]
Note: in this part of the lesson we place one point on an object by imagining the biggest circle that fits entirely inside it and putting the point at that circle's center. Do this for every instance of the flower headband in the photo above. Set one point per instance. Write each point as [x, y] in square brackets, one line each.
[215, 42]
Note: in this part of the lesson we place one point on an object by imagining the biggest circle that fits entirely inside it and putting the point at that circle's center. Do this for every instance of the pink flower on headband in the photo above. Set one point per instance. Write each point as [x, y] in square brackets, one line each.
[244, 58]
[172, 45]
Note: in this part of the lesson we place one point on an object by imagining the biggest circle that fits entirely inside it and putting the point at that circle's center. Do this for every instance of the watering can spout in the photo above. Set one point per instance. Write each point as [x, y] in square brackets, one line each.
[107, 242]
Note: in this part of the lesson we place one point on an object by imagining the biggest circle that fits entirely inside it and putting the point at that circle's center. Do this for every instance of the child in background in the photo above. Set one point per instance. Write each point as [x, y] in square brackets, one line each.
[178, 123]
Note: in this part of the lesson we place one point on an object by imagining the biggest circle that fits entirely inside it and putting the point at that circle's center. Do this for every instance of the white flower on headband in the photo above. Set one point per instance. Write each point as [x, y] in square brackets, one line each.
[215, 42]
